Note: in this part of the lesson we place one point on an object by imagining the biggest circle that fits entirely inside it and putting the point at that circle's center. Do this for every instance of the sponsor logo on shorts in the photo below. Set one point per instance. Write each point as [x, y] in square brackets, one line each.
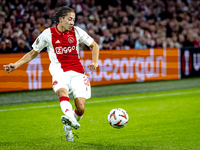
[86, 81]
[55, 82]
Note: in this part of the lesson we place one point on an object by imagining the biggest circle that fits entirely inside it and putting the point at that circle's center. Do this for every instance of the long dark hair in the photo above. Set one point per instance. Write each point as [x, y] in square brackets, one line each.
[62, 11]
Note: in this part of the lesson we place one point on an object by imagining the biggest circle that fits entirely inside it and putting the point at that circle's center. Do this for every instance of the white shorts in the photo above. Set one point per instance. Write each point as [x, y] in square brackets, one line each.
[74, 82]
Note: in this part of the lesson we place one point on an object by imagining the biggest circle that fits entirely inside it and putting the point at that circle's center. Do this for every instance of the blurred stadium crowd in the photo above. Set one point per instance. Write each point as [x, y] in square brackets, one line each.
[114, 24]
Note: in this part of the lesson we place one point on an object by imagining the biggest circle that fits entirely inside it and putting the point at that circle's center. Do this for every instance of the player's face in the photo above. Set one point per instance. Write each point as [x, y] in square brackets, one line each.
[67, 22]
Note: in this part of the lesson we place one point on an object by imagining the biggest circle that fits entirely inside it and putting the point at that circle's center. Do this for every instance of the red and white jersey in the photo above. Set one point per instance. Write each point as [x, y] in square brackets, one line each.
[63, 48]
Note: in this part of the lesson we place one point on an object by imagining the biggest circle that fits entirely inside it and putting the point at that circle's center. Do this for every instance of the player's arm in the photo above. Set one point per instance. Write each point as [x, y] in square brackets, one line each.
[26, 58]
[95, 56]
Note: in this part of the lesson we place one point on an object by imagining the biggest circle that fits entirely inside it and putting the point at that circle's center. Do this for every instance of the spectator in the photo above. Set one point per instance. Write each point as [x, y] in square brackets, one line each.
[15, 38]
[106, 35]
[109, 22]
[115, 29]
[158, 43]
[13, 21]
[133, 37]
[105, 45]
[189, 41]
[125, 21]
[34, 35]
[112, 43]
[168, 43]
[8, 46]
[175, 41]
[195, 39]
[21, 47]
[24, 38]
[3, 47]
[125, 40]
[5, 34]
[80, 23]
[141, 43]
[163, 23]
[100, 11]
[103, 24]
[122, 30]
[1, 28]
[119, 43]
[181, 39]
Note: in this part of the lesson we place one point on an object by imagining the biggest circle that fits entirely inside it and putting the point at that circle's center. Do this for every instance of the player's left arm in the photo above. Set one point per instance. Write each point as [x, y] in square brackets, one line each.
[95, 56]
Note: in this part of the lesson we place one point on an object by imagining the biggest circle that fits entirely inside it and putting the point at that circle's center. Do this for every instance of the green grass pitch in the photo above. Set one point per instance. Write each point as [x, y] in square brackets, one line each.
[168, 120]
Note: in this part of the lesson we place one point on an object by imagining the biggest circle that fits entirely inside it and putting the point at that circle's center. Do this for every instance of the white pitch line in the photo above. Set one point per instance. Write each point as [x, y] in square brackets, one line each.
[108, 100]
[29, 108]
[140, 97]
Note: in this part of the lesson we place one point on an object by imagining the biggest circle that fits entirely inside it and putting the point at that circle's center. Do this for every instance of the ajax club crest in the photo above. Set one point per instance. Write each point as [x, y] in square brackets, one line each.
[70, 39]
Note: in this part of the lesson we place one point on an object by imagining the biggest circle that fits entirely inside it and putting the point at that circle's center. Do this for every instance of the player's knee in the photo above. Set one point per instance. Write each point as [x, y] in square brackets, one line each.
[61, 92]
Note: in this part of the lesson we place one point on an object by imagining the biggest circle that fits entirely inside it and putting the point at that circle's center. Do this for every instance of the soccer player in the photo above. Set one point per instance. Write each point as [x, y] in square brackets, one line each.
[62, 42]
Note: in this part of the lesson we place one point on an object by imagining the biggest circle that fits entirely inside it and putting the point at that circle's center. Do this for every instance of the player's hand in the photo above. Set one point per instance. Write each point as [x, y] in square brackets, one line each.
[93, 66]
[10, 67]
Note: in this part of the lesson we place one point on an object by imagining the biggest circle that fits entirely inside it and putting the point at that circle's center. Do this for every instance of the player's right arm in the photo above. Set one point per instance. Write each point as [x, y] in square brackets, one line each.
[26, 58]
[38, 45]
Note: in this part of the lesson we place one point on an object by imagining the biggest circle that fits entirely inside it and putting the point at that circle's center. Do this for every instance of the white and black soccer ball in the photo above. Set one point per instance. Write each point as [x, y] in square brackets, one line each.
[118, 118]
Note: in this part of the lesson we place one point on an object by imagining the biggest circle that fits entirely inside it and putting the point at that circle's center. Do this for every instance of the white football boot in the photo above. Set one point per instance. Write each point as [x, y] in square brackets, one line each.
[72, 122]
[68, 133]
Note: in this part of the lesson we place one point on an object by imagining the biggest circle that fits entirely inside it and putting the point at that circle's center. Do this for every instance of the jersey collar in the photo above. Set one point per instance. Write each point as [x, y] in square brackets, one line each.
[62, 33]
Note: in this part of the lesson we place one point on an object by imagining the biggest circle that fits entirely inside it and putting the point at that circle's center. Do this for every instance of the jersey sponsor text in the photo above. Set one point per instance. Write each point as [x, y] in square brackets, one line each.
[61, 50]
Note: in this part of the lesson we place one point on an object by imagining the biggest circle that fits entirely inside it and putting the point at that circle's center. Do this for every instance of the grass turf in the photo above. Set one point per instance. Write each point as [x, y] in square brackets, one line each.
[161, 120]
[35, 96]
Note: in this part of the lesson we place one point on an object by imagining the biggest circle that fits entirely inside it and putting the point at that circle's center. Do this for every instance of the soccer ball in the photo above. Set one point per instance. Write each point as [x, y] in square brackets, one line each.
[118, 118]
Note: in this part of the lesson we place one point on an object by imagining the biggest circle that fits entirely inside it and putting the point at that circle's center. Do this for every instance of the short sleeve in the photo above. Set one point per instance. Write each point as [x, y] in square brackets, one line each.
[83, 37]
[40, 42]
